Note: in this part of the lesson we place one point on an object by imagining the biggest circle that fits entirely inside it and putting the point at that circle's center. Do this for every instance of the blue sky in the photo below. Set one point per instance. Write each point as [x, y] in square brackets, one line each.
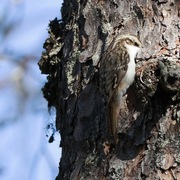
[25, 153]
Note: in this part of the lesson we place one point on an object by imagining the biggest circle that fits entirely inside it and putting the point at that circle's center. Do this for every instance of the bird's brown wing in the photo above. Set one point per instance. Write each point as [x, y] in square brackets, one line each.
[113, 67]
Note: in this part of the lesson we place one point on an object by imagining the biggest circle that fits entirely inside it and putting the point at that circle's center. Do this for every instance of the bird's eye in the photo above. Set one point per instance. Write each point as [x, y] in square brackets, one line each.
[136, 44]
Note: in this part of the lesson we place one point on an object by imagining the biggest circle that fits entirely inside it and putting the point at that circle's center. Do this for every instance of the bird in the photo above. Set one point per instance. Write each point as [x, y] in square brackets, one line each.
[116, 74]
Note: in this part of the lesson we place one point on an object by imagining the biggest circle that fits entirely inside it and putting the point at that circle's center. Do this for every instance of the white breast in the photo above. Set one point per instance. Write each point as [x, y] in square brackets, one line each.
[129, 77]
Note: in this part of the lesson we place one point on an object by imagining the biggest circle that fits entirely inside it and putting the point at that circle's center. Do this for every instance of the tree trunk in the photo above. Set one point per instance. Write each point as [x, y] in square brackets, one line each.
[149, 119]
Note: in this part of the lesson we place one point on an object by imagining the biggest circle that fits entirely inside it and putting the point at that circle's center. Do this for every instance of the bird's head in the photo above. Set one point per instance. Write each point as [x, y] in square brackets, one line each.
[129, 43]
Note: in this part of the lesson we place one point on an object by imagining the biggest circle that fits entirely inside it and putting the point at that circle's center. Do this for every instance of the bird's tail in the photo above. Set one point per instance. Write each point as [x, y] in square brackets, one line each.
[113, 113]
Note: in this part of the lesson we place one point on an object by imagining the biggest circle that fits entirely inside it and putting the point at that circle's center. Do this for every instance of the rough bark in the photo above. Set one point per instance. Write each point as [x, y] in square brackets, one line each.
[149, 120]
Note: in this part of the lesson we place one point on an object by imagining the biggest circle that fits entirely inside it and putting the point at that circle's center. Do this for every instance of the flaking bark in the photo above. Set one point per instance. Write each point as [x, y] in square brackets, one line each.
[149, 121]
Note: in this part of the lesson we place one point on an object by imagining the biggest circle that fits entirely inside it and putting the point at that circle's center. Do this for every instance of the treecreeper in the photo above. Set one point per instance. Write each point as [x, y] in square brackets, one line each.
[117, 71]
